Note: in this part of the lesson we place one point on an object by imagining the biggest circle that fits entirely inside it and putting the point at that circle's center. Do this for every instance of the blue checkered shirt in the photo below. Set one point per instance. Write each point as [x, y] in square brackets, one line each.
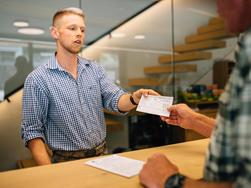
[229, 156]
[67, 113]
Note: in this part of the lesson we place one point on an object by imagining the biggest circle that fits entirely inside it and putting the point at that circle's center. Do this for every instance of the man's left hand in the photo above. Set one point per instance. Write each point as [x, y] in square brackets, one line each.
[156, 171]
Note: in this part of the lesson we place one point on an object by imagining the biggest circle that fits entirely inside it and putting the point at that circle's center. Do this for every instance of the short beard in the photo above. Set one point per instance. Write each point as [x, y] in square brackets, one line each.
[73, 51]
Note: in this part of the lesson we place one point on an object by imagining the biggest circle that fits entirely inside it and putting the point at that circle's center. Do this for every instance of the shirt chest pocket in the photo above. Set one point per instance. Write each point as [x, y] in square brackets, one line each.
[93, 91]
[91, 94]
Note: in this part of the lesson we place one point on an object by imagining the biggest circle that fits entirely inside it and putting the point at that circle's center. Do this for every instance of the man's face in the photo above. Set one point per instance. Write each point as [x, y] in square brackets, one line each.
[70, 32]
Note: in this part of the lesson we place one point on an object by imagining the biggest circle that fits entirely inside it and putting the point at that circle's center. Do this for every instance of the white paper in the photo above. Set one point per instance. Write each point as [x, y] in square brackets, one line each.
[119, 165]
[155, 105]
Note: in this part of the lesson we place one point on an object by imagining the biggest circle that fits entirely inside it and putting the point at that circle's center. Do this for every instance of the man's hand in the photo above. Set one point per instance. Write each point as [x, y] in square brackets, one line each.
[129, 101]
[180, 115]
[156, 171]
[183, 116]
[137, 94]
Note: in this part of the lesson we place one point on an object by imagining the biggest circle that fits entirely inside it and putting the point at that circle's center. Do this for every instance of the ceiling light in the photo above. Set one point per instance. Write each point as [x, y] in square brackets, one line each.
[139, 37]
[118, 35]
[20, 23]
[31, 31]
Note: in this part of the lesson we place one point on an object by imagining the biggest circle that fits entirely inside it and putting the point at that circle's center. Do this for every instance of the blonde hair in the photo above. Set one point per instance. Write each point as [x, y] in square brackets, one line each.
[69, 10]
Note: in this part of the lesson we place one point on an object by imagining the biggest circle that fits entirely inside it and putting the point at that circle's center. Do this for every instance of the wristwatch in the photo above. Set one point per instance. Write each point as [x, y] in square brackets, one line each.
[132, 101]
[175, 181]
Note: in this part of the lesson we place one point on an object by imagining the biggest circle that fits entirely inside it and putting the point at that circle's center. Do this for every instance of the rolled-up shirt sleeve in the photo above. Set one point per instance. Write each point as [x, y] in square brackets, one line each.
[111, 93]
[34, 111]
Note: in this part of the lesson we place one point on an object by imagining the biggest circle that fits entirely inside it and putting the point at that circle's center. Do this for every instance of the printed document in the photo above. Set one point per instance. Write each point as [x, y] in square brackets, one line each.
[123, 166]
[155, 105]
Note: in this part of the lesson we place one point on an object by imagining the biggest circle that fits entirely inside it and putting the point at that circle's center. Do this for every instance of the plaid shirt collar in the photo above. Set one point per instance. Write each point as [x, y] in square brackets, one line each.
[53, 63]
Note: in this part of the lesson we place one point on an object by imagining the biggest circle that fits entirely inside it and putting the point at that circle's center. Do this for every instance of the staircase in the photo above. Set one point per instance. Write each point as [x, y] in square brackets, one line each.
[195, 49]
[207, 37]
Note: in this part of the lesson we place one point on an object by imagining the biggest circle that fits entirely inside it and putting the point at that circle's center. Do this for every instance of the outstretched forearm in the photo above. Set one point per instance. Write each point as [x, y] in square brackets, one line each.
[125, 104]
[202, 124]
[39, 152]
[129, 101]
[185, 117]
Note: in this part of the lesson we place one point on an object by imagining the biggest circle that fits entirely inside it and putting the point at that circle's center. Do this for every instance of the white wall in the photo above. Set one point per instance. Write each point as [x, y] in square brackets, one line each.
[11, 144]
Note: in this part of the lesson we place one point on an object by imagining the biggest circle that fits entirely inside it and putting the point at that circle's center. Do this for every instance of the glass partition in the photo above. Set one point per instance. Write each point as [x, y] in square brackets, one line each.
[176, 50]
[201, 39]
[100, 19]
[41, 52]
[17, 60]
[170, 53]
[136, 47]
[12, 58]
[131, 55]
[124, 56]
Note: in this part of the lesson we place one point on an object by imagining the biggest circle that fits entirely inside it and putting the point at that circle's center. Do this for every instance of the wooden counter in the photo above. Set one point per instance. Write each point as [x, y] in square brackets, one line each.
[188, 156]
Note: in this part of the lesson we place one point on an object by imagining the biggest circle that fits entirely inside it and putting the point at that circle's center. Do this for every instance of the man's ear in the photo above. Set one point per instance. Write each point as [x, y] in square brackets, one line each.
[54, 32]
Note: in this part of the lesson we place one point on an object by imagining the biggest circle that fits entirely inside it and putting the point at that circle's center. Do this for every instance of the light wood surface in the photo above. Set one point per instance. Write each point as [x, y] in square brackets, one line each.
[169, 69]
[188, 156]
[144, 82]
[216, 20]
[220, 34]
[210, 44]
[151, 81]
[210, 28]
[190, 56]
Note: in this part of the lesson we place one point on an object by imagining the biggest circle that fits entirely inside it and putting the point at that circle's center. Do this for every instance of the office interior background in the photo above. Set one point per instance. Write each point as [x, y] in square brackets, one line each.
[179, 48]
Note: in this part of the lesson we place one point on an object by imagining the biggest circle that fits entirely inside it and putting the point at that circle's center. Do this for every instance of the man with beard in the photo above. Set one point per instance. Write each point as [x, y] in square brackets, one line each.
[63, 100]
[228, 161]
